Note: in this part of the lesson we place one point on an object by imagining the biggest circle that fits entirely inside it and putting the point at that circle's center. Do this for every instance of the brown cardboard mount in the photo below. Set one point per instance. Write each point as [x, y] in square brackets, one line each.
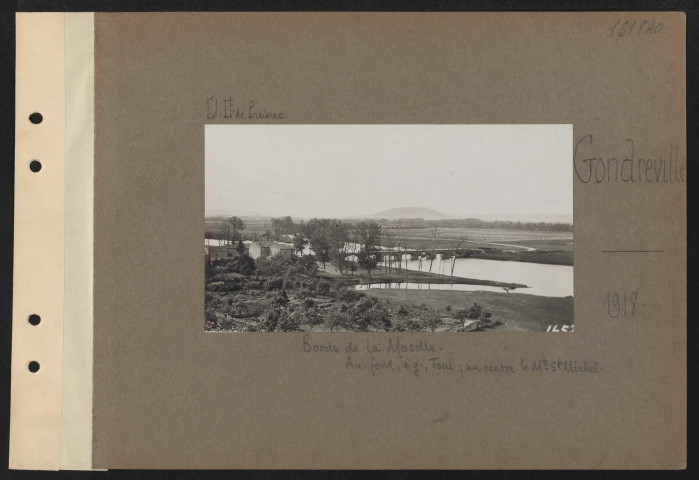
[122, 336]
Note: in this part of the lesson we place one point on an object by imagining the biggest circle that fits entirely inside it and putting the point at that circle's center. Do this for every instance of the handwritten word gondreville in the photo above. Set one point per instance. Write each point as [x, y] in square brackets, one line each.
[626, 165]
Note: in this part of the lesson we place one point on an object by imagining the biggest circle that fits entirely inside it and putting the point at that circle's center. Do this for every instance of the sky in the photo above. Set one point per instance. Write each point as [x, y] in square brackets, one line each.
[343, 171]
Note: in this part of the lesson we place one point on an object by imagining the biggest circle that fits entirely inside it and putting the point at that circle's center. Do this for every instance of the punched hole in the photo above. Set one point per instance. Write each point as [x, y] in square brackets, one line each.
[34, 319]
[33, 366]
[36, 118]
[35, 166]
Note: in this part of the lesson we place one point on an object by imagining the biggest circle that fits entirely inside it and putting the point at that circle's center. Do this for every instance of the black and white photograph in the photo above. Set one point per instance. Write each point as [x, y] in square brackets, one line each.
[388, 228]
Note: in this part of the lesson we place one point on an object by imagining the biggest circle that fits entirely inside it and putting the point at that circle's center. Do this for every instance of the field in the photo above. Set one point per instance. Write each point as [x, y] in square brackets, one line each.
[484, 237]
[253, 225]
[421, 238]
[546, 247]
[515, 311]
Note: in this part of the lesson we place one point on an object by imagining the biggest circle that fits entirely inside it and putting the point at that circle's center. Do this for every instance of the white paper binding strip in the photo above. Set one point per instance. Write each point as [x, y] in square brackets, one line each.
[35, 412]
[76, 424]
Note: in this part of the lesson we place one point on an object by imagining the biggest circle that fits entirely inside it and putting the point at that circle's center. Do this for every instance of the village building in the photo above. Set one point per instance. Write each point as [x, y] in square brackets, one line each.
[266, 249]
[222, 252]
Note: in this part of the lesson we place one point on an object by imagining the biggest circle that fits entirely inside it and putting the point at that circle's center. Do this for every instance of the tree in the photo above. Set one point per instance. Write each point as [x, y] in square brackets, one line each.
[283, 225]
[225, 230]
[368, 236]
[277, 227]
[320, 244]
[432, 255]
[240, 248]
[300, 243]
[457, 247]
[309, 265]
[338, 235]
[237, 226]
[389, 241]
[246, 265]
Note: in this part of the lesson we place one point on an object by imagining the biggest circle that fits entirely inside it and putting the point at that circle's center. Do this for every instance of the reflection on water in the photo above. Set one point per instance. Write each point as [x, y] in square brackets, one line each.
[544, 280]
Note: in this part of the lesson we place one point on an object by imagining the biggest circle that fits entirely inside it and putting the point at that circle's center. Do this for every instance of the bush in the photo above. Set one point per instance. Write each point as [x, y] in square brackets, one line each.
[210, 320]
[323, 288]
[270, 319]
[281, 299]
[312, 318]
[432, 322]
[309, 304]
[398, 326]
[231, 286]
[473, 313]
[345, 294]
[290, 280]
[274, 284]
[257, 308]
[287, 323]
[379, 318]
[413, 324]
[244, 265]
[336, 320]
[406, 324]
[308, 262]
[276, 265]
[402, 311]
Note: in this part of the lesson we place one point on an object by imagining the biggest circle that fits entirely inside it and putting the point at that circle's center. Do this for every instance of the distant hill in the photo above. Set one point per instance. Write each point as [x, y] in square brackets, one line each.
[411, 212]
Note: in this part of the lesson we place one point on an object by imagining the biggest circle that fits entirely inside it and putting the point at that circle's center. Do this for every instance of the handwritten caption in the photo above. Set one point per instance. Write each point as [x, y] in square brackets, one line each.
[627, 166]
[395, 356]
[217, 107]
[633, 27]
[620, 304]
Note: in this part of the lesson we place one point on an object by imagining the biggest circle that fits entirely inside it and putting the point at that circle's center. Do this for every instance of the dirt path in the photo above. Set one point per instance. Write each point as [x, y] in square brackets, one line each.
[480, 242]
[528, 249]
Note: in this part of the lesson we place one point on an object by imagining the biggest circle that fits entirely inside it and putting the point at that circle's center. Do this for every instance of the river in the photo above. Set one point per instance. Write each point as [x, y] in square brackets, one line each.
[544, 280]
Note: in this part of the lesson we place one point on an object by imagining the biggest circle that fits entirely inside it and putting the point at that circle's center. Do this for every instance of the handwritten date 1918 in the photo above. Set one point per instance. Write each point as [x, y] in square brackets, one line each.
[635, 27]
[623, 303]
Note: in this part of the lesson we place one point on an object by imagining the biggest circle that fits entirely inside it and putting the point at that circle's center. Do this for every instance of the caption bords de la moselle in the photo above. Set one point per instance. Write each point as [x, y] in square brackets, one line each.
[396, 355]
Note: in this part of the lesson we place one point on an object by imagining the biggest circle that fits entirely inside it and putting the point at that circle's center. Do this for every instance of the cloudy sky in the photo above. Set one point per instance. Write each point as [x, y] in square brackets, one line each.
[353, 170]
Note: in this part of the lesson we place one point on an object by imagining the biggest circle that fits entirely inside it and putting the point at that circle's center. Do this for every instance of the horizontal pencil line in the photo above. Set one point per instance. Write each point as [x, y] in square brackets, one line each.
[632, 251]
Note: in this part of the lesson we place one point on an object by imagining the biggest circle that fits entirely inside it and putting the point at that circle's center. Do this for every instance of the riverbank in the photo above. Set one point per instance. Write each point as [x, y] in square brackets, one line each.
[546, 257]
[380, 275]
[516, 311]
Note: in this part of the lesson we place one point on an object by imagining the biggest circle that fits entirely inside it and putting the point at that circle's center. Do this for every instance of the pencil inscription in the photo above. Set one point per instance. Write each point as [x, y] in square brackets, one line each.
[249, 110]
[633, 27]
[592, 167]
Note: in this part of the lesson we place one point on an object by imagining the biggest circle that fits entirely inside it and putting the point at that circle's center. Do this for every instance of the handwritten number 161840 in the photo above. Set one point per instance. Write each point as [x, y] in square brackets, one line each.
[628, 28]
